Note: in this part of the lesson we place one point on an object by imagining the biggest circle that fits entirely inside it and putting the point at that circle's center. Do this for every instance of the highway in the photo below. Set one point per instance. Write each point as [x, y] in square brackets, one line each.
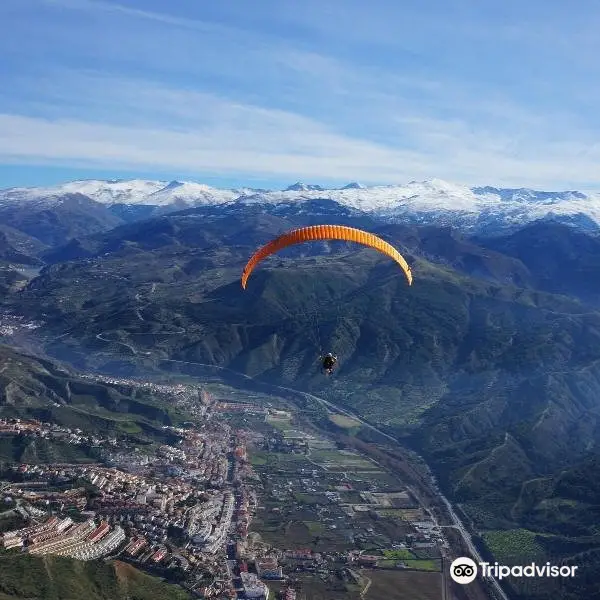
[466, 536]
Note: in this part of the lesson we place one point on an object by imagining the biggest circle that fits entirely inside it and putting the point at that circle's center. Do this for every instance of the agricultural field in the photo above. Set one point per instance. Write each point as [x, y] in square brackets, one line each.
[304, 505]
[315, 587]
[514, 546]
[281, 423]
[258, 459]
[321, 444]
[402, 554]
[336, 503]
[340, 460]
[344, 422]
[376, 585]
[402, 514]
[404, 585]
[301, 507]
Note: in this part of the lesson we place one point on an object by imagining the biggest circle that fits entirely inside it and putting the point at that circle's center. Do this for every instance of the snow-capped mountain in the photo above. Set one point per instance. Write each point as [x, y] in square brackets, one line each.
[439, 202]
[477, 209]
[192, 194]
[304, 187]
[131, 192]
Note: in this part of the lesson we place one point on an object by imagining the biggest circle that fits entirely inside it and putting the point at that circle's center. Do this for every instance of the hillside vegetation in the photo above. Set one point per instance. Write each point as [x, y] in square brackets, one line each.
[56, 578]
[31, 387]
[489, 365]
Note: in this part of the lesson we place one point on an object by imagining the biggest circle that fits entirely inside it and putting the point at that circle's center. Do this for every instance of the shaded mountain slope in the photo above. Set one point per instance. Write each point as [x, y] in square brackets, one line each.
[56, 222]
[31, 387]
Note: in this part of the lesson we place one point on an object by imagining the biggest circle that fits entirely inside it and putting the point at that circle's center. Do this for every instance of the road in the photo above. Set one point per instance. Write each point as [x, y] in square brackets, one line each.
[366, 589]
[466, 536]
[103, 339]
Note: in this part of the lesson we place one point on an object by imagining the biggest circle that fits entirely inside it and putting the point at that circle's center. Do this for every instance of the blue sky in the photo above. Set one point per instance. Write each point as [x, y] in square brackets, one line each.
[268, 92]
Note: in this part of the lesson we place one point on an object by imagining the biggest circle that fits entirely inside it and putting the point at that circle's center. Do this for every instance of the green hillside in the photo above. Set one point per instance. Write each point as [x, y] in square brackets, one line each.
[57, 578]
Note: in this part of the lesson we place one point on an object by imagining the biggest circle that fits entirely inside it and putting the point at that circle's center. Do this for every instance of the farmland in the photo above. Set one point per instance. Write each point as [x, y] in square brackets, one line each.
[360, 525]
[514, 546]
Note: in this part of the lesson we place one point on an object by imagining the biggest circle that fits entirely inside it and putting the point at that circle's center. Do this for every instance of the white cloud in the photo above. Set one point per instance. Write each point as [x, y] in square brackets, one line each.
[227, 138]
[210, 98]
[121, 9]
[271, 143]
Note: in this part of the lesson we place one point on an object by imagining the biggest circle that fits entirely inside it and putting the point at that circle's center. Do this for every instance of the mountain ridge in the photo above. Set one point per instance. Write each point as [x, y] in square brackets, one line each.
[479, 210]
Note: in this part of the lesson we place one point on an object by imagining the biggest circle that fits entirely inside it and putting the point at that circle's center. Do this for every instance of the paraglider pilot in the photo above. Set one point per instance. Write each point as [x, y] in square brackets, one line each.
[329, 361]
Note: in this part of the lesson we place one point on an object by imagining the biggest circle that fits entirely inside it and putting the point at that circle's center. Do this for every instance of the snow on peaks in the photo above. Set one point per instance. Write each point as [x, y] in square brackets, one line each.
[106, 192]
[432, 201]
[134, 191]
[437, 194]
[173, 185]
[529, 195]
[190, 194]
[308, 187]
[115, 191]
[434, 195]
[303, 187]
[155, 193]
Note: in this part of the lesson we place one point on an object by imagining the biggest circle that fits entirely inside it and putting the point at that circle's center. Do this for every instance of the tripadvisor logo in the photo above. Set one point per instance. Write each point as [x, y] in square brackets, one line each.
[464, 570]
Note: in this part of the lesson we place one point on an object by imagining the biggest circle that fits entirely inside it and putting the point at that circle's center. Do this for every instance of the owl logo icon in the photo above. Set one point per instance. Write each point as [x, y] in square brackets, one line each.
[463, 570]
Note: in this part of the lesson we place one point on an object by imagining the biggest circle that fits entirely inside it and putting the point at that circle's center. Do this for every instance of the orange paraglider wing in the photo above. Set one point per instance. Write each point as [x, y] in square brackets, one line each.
[325, 232]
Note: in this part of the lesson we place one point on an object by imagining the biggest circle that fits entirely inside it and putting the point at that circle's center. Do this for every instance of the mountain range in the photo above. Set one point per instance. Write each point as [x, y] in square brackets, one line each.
[485, 210]
[489, 365]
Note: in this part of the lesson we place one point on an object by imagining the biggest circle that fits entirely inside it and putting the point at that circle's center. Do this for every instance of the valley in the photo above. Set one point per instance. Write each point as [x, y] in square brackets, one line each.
[475, 388]
[424, 503]
[140, 502]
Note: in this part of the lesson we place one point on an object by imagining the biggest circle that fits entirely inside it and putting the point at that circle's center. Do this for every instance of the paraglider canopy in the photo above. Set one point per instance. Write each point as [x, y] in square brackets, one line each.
[325, 232]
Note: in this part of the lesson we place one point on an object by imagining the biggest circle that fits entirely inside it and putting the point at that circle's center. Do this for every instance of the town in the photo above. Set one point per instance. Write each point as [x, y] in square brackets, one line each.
[240, 504]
